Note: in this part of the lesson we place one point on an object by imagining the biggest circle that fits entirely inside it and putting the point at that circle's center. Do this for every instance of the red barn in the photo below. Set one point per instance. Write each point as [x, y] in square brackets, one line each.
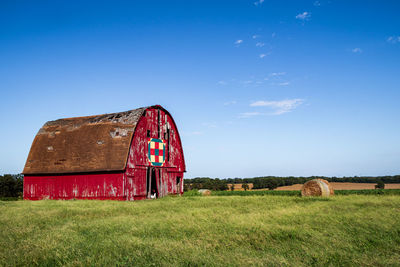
[124, 156]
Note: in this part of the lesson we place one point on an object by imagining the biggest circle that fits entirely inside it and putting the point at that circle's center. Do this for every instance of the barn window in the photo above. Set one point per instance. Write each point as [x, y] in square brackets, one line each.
[148, 133]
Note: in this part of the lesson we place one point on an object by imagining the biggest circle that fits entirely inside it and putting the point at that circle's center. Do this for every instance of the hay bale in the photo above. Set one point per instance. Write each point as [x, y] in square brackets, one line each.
[317, 187]
[205, 192]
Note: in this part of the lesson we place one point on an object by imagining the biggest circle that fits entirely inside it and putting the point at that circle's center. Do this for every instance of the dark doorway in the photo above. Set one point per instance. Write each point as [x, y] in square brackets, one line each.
[151, 188]
[178, 184]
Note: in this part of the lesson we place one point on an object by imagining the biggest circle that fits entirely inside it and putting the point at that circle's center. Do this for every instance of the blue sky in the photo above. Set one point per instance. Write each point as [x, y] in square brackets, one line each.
[255, 87]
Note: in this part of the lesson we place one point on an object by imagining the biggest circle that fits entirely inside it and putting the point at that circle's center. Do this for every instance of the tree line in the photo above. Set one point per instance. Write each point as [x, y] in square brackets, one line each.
[11, 185]
[272, 182]
[205, 183]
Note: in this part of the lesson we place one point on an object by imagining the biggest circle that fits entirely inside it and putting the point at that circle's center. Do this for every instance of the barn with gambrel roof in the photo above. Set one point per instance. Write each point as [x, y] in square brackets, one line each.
[129, 155]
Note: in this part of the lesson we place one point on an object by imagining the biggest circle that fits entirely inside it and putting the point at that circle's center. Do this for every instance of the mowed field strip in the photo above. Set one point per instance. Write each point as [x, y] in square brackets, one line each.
[343, 186]
[195, 231]
[336, 186]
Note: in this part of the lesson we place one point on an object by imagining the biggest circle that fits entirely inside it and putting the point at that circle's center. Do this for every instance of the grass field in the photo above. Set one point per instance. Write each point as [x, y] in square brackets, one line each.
[268, 230]
[297, 192]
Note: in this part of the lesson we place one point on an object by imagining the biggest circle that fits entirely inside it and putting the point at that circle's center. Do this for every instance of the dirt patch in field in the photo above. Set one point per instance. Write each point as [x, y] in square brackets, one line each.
[343, 186]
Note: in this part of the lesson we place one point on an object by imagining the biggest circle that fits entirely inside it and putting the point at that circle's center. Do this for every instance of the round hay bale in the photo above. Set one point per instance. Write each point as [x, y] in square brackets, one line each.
[317, 187]
[205, 192]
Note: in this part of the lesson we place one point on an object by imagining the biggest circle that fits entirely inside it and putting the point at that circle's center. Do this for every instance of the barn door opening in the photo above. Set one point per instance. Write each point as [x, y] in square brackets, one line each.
[178, 184]
[161, 190]
[152, 188]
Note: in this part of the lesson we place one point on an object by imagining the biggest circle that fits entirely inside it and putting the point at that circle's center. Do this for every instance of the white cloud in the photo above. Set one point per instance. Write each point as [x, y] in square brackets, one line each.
[279, 107]
[255, 36]
[393, 39]
[277, 73]
[262, 55]
[273, 35]
[259, 2]
[238, 42]
[249, 114]
[209, 124]
[284, 83]
[247, 82]
[221, 83]
[356, 50]
[260, 44]
[317, 3]
[304, 16]
[191, 133]
[233, 102]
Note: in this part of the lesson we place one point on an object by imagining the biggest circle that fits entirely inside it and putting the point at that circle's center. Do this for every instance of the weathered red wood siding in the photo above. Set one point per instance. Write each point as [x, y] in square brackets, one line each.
[157, 121]
[78, 186]
[129, 184]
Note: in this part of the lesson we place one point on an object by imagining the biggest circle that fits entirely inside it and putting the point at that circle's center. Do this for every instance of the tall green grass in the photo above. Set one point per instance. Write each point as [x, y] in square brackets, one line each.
[354, 230]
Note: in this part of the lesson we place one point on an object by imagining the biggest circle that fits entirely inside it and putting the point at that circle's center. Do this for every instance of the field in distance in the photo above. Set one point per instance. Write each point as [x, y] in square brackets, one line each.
[336, 186]
[349, 230]
[343, 186]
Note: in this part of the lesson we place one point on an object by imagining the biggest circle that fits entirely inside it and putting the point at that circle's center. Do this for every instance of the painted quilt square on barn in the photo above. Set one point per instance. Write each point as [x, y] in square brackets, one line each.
[156, 151]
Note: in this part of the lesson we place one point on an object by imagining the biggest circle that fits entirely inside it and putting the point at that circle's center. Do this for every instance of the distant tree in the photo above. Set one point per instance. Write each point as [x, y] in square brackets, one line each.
[230, 180]
[380, 185]
[186, 187]
[238, 180]
[19, 184]
[222, 185]
[11, 185]
[272, 184]
[196, 186]
[245, 186]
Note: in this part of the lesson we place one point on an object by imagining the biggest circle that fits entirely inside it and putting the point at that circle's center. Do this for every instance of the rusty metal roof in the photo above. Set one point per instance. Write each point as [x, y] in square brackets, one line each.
[83, 144]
